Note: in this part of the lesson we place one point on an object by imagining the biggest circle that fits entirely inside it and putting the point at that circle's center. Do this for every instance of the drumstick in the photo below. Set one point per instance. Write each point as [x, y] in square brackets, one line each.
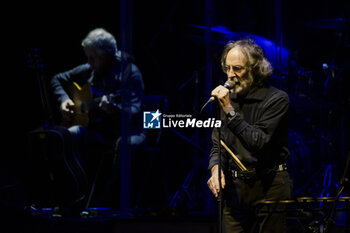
[235, 158]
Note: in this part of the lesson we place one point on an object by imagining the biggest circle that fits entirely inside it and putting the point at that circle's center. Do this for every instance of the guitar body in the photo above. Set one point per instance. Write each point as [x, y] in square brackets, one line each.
[84, 102]
[80, 95]
[56, 177]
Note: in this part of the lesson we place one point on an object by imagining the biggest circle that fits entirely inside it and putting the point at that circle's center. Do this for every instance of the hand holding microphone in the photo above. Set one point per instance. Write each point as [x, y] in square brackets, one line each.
[229, 84]
[215, 94]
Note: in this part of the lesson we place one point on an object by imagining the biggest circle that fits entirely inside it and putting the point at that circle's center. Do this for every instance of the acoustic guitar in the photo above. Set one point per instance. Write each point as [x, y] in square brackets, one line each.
[83, 103]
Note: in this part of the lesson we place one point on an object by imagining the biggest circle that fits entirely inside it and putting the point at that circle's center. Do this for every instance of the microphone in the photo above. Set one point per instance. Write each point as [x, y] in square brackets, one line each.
[229, 84]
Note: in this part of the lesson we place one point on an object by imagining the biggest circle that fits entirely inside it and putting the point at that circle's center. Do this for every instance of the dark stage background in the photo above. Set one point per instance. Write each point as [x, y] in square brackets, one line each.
[171, 48]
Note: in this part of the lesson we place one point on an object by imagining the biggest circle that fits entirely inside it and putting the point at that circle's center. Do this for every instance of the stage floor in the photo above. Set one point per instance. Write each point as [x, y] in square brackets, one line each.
[105, 220]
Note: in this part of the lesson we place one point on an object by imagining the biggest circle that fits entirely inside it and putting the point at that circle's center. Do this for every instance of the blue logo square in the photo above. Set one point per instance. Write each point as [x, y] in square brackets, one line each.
[151, 119]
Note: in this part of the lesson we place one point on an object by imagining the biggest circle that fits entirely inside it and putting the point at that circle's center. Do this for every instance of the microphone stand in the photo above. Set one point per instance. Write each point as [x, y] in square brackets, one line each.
[329, 220]
[219, 199]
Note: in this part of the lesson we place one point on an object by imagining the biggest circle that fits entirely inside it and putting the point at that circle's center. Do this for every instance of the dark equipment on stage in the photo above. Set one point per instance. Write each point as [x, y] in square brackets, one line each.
[316, 215]
[55, 177]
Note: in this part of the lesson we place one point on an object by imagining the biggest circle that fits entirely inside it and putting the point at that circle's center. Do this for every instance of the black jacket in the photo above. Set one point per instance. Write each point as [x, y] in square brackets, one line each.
[258, 135]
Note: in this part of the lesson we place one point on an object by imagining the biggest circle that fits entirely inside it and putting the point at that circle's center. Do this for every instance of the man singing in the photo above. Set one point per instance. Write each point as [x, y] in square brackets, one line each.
[255, 127]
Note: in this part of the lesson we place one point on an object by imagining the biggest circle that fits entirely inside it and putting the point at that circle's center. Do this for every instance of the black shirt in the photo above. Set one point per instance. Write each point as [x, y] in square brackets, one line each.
[258, 135]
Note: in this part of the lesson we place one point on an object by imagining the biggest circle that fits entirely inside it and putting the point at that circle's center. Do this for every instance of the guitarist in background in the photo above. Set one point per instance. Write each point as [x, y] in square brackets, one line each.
[89, 96]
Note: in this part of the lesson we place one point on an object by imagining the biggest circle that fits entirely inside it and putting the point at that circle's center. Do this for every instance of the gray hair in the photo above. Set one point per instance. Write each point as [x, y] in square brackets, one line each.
[260, 67]
[102, 41]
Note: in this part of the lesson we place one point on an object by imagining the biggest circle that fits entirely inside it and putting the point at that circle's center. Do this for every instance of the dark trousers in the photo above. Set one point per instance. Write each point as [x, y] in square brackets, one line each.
[243, 208]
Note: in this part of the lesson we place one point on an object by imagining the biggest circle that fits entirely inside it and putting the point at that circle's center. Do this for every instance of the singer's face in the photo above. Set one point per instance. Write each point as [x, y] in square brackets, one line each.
[238, 71]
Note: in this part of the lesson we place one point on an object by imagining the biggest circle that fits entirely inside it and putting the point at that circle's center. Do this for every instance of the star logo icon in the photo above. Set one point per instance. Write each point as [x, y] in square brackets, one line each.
[156, 115]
